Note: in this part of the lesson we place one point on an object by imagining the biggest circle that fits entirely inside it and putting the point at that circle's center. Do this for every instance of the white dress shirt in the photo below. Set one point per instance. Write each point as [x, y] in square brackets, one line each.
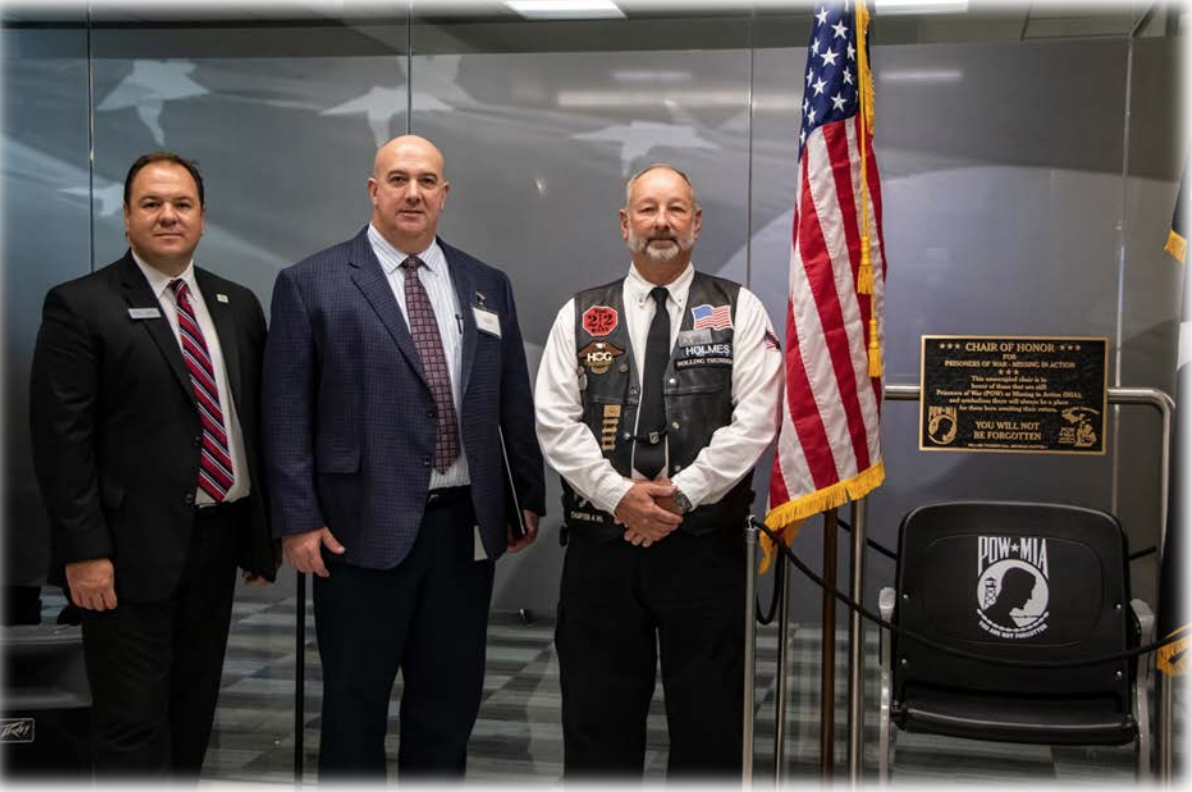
[572, 449]
[436, 280]
[159, 283]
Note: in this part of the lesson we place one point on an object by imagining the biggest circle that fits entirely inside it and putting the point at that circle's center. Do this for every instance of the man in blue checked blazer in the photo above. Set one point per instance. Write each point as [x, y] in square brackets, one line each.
[393, 360]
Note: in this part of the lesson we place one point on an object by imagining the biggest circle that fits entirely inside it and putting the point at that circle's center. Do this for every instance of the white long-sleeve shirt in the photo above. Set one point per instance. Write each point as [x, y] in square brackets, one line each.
[572, 449]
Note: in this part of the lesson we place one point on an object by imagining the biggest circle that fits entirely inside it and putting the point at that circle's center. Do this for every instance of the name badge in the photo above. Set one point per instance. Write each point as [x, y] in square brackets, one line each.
[487, 322]
[689, 338]
[144, 313]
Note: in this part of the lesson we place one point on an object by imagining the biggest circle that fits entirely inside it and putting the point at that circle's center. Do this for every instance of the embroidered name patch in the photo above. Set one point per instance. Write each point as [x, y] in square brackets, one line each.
[705, 355]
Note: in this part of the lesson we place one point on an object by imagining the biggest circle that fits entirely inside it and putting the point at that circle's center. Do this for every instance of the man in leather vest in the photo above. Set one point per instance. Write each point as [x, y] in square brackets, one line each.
[656, 395]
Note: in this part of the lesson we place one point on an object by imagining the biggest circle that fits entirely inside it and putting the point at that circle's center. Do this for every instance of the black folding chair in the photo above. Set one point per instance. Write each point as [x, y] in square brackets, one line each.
[1029, 582]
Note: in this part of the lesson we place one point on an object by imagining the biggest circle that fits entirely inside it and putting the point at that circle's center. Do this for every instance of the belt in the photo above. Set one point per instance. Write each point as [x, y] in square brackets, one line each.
[220, 509]
[445, 495]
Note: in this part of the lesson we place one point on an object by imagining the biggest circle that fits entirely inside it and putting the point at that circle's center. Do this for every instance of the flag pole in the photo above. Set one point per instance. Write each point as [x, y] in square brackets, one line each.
[828, 656]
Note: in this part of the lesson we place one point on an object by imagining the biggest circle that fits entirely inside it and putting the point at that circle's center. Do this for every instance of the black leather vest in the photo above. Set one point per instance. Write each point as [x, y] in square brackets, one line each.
[697, 390]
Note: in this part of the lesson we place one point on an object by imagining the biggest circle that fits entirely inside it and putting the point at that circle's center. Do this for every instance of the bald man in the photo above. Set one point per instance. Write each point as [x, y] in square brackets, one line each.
[392, 361]
[655, 434]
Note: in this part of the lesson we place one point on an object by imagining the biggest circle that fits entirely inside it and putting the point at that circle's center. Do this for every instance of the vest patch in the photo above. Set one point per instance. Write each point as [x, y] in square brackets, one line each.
[718, 317]
[600, 320]
[705, 355]
[598, 356]
[608, 429]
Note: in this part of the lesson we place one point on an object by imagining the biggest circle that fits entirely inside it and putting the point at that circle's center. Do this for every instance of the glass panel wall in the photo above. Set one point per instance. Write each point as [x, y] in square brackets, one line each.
[1020, 196]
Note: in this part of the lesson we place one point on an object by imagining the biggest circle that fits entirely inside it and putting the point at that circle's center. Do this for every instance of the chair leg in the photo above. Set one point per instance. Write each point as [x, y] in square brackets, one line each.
[1142, 677]
[886, 601]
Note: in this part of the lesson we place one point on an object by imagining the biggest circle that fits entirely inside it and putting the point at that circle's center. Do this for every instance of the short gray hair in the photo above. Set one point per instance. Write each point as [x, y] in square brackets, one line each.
[633, 180]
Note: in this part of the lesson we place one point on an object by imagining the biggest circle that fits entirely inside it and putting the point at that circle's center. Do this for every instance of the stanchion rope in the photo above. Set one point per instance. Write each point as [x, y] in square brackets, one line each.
[890, 554]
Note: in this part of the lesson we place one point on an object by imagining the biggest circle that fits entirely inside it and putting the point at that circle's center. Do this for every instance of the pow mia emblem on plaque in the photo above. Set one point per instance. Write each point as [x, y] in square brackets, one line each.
[1012, 585]
[941, 424]
[598, 356]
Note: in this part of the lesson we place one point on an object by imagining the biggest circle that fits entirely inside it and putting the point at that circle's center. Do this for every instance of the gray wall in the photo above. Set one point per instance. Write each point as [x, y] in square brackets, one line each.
[1002, 164]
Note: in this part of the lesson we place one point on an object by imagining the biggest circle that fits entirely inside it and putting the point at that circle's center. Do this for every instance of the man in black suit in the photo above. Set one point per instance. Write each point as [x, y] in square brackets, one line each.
[394, 364]
[145, 415]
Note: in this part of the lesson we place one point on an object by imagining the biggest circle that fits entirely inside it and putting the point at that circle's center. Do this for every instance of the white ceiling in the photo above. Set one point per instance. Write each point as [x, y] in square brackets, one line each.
[985, 19]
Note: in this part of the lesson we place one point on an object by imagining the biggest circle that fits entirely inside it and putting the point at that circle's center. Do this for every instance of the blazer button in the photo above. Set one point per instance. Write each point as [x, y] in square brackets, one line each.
[430, 413]
[190, 499]
[425, 461]
[198, 441]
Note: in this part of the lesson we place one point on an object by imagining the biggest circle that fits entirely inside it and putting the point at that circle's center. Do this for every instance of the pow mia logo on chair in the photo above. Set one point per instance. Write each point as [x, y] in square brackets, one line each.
[1012, 586]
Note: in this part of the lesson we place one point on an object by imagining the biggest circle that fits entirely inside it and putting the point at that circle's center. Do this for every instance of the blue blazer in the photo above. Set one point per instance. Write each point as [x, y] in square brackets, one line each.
[348, 432]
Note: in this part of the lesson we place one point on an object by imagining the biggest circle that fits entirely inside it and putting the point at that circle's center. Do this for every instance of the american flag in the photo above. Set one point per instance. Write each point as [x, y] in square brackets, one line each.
[718, 318]
[828, 444]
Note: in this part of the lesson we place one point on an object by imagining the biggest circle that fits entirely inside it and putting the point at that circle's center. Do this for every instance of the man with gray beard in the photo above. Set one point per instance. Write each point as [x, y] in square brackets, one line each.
[656, 396]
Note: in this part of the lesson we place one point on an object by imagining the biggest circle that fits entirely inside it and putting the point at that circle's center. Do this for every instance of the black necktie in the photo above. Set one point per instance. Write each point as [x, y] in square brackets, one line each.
[650, 454]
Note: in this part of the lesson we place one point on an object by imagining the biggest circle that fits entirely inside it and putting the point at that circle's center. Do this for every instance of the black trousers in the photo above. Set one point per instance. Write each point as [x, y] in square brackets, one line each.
[620, 608]
[427, 616]
[155, 667]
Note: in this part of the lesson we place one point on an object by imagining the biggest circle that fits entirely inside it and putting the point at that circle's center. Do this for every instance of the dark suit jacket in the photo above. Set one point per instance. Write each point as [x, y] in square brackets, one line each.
[116, 433]
[348, 427]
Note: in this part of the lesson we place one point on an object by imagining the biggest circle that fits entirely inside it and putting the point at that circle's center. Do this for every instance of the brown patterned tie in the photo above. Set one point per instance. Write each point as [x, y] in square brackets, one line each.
[425, 331]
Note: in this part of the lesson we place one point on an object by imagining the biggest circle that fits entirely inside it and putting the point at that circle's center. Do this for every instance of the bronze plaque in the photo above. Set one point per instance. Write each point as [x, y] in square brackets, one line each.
[1013, 394]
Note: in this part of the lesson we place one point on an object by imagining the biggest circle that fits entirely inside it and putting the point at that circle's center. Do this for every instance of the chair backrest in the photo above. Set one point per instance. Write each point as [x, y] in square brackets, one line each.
[1020, 581]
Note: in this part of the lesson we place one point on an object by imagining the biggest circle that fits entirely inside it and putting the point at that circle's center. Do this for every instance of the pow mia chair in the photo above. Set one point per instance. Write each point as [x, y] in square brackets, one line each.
[1029, 582]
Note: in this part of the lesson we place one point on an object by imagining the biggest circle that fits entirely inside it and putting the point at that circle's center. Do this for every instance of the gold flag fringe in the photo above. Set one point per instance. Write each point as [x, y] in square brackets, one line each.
[789, 516]
[1166, 655]
[865, 271]
[1177, 246]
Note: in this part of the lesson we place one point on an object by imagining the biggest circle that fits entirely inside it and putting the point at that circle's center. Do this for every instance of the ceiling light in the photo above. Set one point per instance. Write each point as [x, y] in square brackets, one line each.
[651, 76]
[921, 76]
[894, 7]
[566, 9]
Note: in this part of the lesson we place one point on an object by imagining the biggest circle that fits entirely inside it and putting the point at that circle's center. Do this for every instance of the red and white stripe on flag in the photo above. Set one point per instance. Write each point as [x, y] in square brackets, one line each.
[829, 448]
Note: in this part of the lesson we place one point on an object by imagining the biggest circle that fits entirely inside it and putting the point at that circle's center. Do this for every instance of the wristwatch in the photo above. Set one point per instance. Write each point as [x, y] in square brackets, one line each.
[682, 501]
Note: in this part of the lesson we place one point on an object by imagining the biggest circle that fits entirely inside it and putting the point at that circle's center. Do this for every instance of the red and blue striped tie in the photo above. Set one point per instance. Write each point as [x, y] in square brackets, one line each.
[215, 464]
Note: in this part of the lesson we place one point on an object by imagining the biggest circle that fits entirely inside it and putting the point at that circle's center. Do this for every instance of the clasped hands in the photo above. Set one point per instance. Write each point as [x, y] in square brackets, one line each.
[648, 512]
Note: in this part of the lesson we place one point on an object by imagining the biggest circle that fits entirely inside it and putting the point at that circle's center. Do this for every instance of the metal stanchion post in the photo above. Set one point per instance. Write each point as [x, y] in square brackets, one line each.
[299, 678]
[828, 655]
[856, 648]
[1163, 745]
[784, 618]
[751, 533]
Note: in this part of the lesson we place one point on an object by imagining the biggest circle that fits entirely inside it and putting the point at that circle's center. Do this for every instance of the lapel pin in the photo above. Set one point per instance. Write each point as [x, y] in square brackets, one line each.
[223, 298]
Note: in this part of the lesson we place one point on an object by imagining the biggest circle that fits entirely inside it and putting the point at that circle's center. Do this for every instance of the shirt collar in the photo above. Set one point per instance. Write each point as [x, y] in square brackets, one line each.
[391, 258]
[639, 288]
[159, 282]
